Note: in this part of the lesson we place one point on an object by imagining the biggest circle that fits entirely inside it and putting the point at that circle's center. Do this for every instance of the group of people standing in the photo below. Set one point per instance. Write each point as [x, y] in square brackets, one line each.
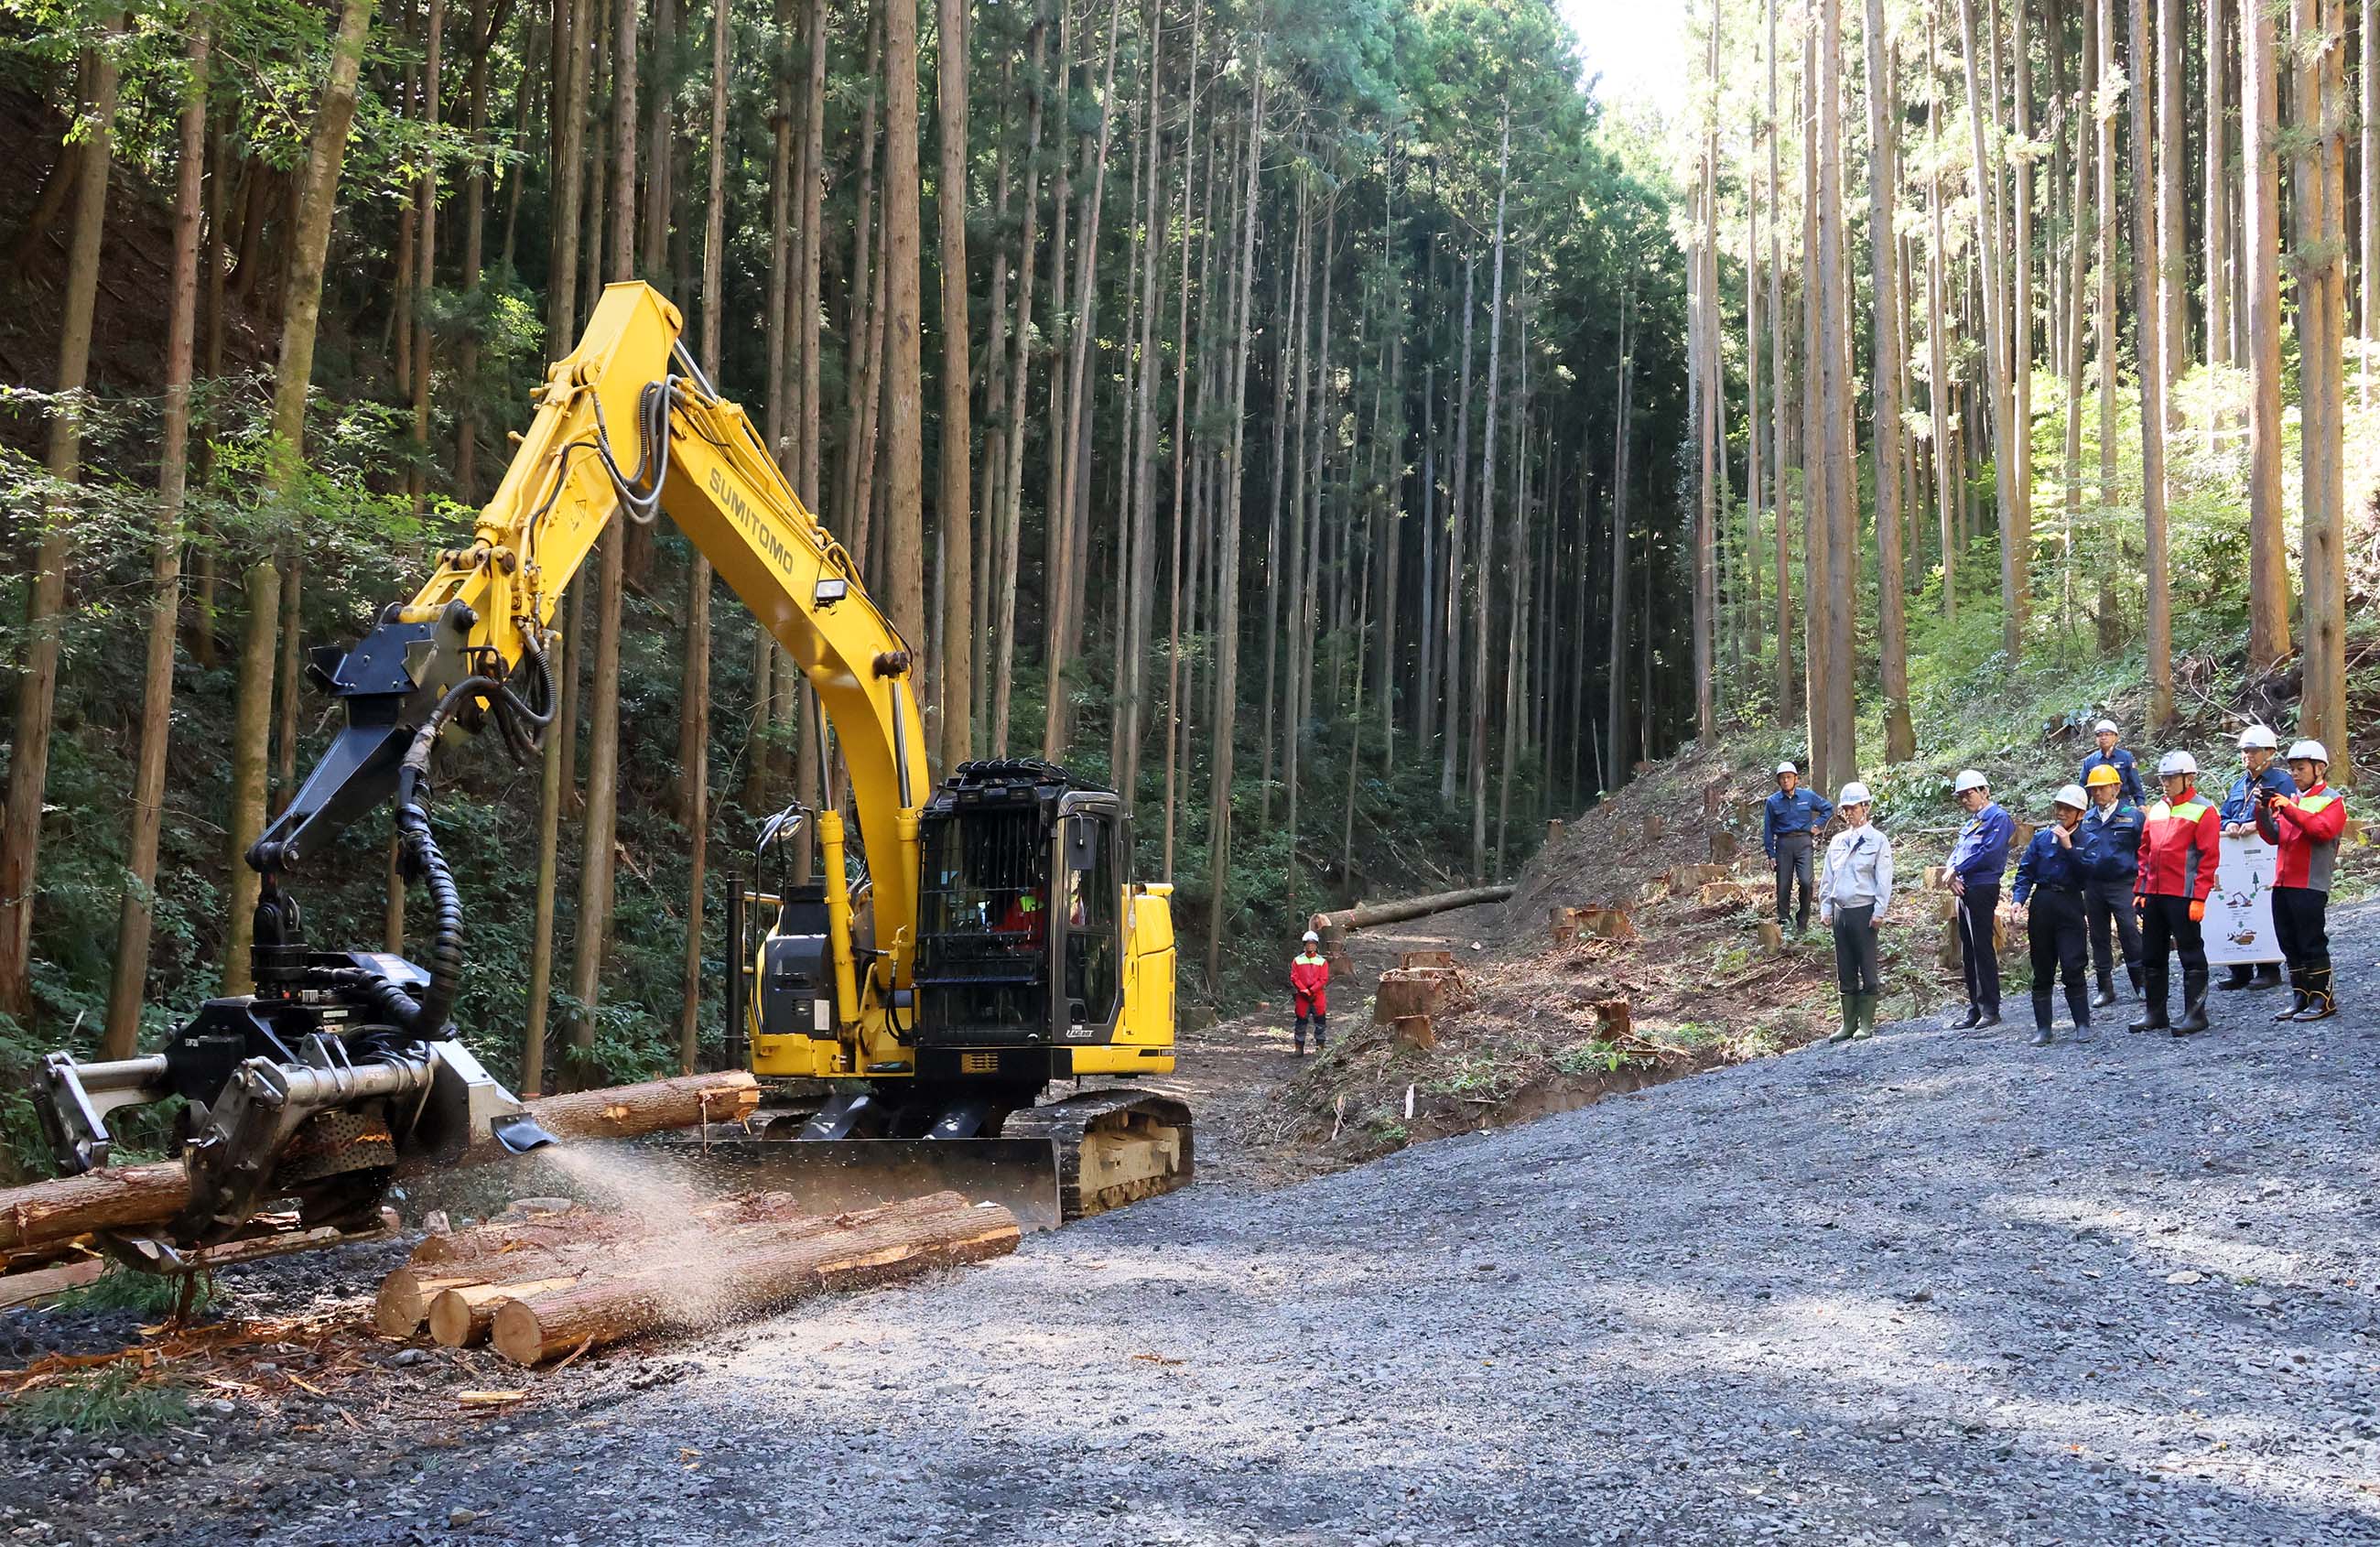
[2112, 870]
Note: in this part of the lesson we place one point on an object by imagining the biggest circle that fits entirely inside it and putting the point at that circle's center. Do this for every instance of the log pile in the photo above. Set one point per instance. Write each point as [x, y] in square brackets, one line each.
[42, 1221]
[553, 1286]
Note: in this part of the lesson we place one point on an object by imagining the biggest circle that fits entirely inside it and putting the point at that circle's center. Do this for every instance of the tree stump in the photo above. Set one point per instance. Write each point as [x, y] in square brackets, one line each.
[1553, 830]
[1723, 846]
[1608, 923]
[1414, 1034]
[1614, 1021]
[1772, 935]
[1714, 797]
[1419, 990]
[1717, 894]
[1655, 828]
[1425, 958]
[1685, 878]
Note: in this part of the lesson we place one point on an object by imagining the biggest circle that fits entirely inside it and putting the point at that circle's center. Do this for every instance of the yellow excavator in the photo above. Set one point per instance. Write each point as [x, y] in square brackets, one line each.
[979, 940]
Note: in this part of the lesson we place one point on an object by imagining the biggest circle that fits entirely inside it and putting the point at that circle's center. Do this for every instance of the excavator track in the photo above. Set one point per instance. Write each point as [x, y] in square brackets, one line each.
[1113, 1147]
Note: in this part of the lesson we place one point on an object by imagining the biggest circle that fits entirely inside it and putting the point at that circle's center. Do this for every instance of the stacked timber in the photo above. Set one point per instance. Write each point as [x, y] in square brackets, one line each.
[535, 1299]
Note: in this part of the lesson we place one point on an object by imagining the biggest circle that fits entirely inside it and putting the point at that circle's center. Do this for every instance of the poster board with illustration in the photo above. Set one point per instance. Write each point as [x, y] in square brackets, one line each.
[2239, 928]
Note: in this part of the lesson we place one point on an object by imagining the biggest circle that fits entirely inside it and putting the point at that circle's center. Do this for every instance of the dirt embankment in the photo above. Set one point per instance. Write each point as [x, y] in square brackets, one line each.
[1532, 1031]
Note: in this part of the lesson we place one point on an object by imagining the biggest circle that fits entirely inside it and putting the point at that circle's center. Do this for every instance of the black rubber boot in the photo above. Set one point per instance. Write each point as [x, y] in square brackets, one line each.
[2043, 1036]
[2297, 1004]
[1972, 1018]
[2079, 1008]
[1849, 1027]
[2237, 977]
[2268, 975]
[2320, 1003]
[2044, 1013]
[2194, 1005]
[2151, 1019]
[2106, 994]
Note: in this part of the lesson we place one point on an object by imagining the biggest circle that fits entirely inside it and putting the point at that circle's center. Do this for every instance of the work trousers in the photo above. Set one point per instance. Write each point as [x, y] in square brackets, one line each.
[1977, 958]
[2053, 926]
[2301, 916]
[1856, 950]
[1793, 867]
[2110, 903]
[2167, 926]
[1321, 1020]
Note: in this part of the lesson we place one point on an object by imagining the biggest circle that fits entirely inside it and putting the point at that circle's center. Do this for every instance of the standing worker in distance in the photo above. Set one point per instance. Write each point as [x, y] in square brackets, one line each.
[2180, 841]
[2109, 755]
[2265, 776]
[2113, 825]
[2306, 828]
[2050, 879]
[1790, 821]
[1978, 860]
[1854, 887]
[1309, 987]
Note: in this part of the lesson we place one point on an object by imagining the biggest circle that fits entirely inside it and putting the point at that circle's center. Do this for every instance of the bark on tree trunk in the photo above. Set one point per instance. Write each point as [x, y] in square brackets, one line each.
[1884, 181]
[37, 683]
[129, 977]
[2269, 570]
[2148, 261]
[955, 673]
[2319, 198]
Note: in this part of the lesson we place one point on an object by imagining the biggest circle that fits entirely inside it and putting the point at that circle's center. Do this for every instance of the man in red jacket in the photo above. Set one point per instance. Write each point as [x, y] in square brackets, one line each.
[2180, 846]
[2305, 828]
[1309, 985]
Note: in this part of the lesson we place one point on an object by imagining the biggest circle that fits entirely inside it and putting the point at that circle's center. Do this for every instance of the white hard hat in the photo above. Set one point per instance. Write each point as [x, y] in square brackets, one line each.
[1312, 938]
[2106, 727]
[2072, 796]
[2309, 751]
[2176, 763]
[1969, 779]
[1854, 794]
[2258, 735]
[1788, 767]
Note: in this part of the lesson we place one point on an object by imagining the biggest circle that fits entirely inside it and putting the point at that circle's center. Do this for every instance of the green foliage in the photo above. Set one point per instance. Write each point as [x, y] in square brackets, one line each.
[152, 1296]
[118, 1398]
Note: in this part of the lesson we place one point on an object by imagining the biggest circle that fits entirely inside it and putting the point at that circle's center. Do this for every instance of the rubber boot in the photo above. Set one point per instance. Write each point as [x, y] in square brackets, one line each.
[1322, 1037]
[2268, 975]
[2237, 977]
[2041, 1016]
[2194, 1005]
[2079, 1006]
[1969, 1020]
[1850, 1028]
[1297, 1042]
[2151, 1016]
[2298, 1001]
[2320, 1003]
[2106, 994]
[1866, 1027]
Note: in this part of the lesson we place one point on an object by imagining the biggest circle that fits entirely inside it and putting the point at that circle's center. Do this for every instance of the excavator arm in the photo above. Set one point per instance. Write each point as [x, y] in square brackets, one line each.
[626, 425]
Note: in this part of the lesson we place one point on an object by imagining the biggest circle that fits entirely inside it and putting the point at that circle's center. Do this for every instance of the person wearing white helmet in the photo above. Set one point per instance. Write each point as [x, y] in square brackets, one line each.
[1309, 991]
[2305, 828]
[2180, 841]
[1978, 860]
[1854, 888]
[1790, 821]
[2111, 755]
[2050, 881]
[2263, 776]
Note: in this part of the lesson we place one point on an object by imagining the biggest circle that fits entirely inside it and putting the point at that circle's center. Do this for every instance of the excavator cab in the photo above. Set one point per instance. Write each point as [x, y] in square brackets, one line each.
[782, 978]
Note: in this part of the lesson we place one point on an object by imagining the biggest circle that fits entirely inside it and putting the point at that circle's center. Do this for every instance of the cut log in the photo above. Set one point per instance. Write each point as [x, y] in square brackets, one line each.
[1414, 1034]
[114, 1199]
[17, 1289]
[549, 1233]
[131, 1197]
[1366, 915]
[627, 1111]
[463, 1315]
[875, 1246]
[1418, 990]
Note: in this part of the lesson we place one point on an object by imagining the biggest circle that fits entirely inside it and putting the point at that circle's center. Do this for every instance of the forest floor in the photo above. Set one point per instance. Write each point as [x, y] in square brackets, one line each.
[1936, 1287]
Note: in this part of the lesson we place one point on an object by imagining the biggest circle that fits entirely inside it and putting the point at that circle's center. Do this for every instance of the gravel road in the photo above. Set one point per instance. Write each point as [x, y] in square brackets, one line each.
[1940, 1288]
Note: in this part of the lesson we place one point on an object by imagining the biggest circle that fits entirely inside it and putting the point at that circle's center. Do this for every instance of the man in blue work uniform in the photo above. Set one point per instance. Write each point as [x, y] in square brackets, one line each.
[1789, 825]
[2111, 831]
[2049, 882]
[2259, 751]
[1978, 860]
[2109, 755]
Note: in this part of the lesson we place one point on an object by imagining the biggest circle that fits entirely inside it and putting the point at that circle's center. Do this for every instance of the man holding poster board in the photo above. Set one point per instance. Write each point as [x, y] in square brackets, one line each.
[2251, 964]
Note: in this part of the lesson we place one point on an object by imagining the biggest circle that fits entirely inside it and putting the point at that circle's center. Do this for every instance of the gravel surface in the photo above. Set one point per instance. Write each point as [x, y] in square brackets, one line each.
[1940, 1288]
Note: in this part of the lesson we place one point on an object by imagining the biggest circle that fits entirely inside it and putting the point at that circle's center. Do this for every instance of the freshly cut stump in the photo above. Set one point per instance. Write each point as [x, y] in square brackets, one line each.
[875, 1246]
[1417, 991]
[1414, 1034]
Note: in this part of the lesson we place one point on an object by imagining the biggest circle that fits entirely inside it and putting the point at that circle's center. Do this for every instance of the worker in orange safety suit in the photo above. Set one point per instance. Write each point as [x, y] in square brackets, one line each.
[2180, 846]
[2305, 827]
[1309, 986]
